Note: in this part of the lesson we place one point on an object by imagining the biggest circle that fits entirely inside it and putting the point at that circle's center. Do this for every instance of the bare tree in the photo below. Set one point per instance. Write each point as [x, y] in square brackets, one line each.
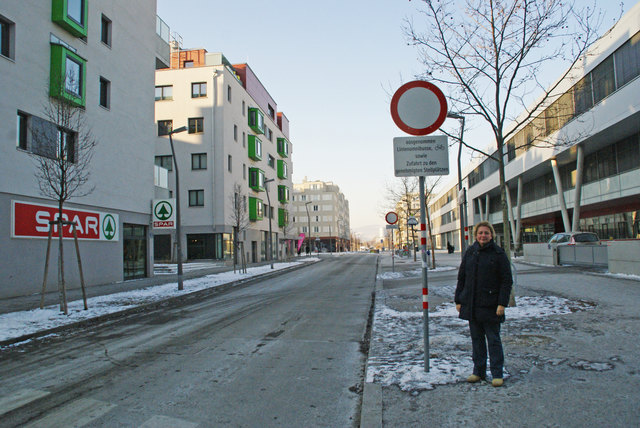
[489, 55]
[239, 217]
[62, 147]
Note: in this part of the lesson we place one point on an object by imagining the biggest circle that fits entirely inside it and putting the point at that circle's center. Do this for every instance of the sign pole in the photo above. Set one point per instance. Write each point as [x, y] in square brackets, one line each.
[425, 282]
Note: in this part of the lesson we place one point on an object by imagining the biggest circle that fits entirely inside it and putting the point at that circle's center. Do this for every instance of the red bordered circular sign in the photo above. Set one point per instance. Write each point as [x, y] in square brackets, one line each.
[418, 108]
[391, 217]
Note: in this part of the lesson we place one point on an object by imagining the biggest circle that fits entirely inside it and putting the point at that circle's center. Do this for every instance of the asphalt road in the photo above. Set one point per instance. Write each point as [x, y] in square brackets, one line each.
[283, 351]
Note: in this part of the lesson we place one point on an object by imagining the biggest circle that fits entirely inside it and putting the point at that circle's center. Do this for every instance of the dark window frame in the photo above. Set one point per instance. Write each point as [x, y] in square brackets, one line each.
[105, 93]
[105, 30]
[196, 125]
[198, 161]
[165, 161]
[196, 198]
[196, 90]
[164, 127]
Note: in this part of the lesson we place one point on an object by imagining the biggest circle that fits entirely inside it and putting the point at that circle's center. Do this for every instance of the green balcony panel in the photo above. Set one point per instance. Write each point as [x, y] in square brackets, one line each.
[283, 147]
[283, 169]
[68, 75]
[283, 217]
[256, 120]
[255, 147]
[71, 15]
[283, 194]
[256, 209]
[256, 179]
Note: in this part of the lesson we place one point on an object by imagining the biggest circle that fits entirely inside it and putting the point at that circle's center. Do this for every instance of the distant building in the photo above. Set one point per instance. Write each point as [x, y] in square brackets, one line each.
[328, 215]
[235, 137]
[106, 54]
[592, 182]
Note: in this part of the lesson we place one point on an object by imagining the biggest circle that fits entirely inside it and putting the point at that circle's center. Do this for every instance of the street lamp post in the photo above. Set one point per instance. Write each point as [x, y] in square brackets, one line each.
[461, 192]
[267, 181]
[178, 220]
[306, 205]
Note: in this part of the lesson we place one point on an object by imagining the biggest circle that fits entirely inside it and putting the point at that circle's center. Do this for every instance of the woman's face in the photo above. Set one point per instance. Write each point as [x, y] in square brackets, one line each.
[483, 235]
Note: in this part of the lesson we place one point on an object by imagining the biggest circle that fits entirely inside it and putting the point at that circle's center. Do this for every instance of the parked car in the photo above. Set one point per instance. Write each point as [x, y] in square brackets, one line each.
[573, 238]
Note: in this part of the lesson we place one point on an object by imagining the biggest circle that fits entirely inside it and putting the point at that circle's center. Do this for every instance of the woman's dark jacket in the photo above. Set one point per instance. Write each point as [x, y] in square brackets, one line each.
[484, 282]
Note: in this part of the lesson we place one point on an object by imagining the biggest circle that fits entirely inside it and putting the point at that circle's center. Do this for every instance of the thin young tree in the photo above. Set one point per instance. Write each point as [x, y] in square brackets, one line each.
[488, 56]
[62, 147]
[239, 217]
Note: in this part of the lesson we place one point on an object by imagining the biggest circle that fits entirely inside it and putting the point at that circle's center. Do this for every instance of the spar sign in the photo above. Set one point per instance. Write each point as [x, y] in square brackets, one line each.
[164, 214]
[29, 220]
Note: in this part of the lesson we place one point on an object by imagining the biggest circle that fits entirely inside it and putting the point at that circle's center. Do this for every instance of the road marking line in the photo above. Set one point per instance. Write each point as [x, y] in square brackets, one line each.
[76, 414]
[19, 399]
[167, 422]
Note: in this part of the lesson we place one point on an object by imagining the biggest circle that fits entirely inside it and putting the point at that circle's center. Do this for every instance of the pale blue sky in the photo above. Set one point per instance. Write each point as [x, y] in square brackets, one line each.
[331, 67]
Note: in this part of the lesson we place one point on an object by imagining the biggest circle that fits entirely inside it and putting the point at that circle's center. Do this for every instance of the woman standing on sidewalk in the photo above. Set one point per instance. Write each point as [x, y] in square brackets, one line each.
[482, 293]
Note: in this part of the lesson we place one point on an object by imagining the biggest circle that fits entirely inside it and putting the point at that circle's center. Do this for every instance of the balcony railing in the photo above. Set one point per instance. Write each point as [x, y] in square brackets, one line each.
[162, 30]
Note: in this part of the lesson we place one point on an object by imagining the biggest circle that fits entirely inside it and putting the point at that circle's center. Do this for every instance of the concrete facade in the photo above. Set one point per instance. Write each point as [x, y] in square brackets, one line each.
[225, 94]
[328, 215]
[122, 169]
[606, 133]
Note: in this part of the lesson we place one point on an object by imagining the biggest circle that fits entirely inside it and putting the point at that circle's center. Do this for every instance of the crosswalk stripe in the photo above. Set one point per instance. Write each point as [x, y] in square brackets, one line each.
[76, 414]
[167, 422]
[19, 399]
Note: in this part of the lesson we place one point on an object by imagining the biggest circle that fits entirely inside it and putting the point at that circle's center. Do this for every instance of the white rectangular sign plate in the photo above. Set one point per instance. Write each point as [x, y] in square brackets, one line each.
[421, 156]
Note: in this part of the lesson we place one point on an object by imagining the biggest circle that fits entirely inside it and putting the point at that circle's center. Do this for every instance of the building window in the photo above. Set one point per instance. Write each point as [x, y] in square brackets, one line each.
[271, 161]
[105, 92]
[164, 93]
[235, 132]
[199, 90]
[244, 113]
[67, 78]
[105, 31]
[229, 163]
[229, 93]
[269, 134]
[256, 179]
[65, 145]
[71, 15]
[7, 37]
[198, 161]
[272, 112]
[244, 139]
[627, 60]
[603, 80]
[188, 64]
[196, 125]
[244, 171]
[165, 162]
[255, 148]
[164, 127]
[196, 198]
[22, 131]
[256, 120]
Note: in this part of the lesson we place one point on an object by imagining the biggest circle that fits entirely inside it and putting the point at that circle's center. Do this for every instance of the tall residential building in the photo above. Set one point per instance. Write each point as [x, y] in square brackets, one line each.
[321, 212]
[236, 149]
[590, 180]
[101, 57]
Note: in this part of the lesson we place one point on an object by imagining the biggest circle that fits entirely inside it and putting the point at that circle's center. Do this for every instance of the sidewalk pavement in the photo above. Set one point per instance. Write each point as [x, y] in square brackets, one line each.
[555, 357]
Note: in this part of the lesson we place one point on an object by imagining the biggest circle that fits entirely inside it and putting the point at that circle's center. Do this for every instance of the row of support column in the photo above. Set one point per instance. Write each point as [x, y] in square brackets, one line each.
[515, 223]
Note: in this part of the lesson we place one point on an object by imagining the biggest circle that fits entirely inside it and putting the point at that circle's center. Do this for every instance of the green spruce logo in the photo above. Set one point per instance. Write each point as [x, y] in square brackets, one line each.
[109, 227]
[163, 210]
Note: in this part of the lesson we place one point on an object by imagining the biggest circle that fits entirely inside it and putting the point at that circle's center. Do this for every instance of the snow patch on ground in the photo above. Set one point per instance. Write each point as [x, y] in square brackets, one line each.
[17, 324]
[396, 356]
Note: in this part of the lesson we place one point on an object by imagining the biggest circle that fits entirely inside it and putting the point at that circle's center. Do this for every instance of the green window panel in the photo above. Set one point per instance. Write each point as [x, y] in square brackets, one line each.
[256, 120]
[283, 194]
[283, 217]
[283, 147]
[283, 170]
[68, 75]
[71, 15]
[256, 179]
[255, 147]
[256, 209]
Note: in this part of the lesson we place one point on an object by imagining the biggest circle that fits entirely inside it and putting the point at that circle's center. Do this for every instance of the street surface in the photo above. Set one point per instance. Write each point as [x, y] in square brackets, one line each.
[282, 351]
[576, 369]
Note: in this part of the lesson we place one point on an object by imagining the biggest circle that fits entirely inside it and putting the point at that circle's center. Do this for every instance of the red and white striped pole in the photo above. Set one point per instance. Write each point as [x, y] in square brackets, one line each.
[425, 283]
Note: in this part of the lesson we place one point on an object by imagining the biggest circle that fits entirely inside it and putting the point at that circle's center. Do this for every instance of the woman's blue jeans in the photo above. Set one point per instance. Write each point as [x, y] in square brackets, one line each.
[486, 335]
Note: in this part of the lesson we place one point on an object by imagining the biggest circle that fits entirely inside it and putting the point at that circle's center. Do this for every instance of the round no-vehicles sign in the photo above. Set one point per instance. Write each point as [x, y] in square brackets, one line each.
[163, 213]
[418, 108]
[391, 217]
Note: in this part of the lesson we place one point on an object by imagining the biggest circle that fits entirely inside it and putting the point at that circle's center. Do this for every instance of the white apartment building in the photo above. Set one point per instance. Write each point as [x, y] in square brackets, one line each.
[321, 212]
[592, 182]
[235, 137]
[102, 57]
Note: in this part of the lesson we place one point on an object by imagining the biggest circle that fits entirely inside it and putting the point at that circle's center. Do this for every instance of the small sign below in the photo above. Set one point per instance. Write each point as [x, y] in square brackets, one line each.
[421, 156]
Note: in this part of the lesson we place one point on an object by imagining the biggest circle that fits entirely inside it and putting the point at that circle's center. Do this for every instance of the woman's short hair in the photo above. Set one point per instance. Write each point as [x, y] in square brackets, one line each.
[485, 224]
